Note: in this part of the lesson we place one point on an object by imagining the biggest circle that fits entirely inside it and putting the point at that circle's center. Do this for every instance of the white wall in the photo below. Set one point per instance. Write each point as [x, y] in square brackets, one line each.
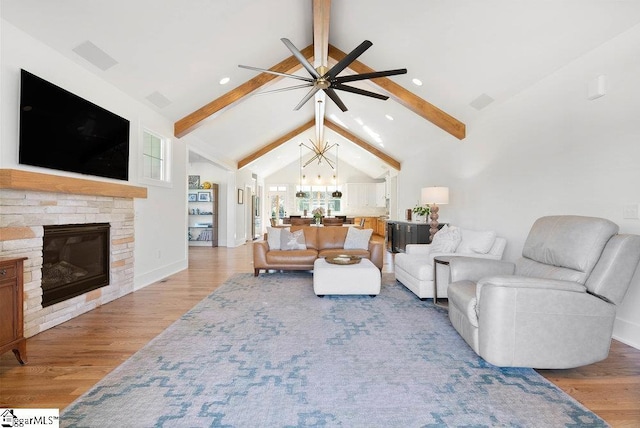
[546, 151]
[160, 247]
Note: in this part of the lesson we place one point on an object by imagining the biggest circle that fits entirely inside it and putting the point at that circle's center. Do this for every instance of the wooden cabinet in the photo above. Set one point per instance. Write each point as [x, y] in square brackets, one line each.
[369, 222]
[203, 217]
[11, 308]
[378, 225]
[381, 228]
[404, 233]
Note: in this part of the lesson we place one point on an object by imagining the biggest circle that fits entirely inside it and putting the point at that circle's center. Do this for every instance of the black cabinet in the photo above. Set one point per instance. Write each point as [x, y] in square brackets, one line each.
[401, 233]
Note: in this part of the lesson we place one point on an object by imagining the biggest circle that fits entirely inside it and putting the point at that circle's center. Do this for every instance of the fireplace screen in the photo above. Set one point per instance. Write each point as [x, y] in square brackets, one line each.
[75, 260]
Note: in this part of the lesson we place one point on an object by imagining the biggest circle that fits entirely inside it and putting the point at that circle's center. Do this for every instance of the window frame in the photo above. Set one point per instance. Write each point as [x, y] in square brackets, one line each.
[312, 201]
[165, 180]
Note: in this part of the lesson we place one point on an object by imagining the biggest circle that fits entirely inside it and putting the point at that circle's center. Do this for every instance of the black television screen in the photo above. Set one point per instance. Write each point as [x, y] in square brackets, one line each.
[60, 130]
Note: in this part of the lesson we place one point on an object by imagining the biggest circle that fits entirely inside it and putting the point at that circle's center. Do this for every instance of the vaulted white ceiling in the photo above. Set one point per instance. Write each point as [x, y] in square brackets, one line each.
[460, 50]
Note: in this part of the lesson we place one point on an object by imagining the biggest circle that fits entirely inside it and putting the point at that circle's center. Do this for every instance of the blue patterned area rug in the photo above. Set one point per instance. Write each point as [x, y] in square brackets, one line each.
[266, 352]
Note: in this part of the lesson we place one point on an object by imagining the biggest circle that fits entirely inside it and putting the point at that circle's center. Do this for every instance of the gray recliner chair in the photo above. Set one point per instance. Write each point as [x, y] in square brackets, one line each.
[554, 307]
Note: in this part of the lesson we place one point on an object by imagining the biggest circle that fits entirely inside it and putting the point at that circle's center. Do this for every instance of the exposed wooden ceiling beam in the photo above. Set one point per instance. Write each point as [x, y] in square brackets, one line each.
[321, 15]
[329, 124]
[408, 99]
[360, 142]
[274, 144]
[289, 65]
[190, 122]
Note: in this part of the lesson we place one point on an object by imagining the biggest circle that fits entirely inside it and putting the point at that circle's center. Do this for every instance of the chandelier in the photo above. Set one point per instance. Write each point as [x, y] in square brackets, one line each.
[320, 152]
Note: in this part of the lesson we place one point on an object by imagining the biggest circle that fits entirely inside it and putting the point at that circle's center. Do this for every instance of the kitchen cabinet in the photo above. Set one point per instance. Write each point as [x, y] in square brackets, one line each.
[381, 228]
[369, 222]
[360, 195]
[381, 195]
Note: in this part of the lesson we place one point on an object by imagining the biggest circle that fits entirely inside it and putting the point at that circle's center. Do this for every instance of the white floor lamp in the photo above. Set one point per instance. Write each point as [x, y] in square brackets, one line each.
[433, 196]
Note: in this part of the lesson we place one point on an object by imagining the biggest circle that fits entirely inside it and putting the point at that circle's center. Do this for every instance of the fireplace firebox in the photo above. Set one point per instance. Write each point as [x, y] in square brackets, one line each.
[75, 260]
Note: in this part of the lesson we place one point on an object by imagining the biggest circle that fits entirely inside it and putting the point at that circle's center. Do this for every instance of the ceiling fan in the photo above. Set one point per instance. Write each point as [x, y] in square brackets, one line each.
[328, 80]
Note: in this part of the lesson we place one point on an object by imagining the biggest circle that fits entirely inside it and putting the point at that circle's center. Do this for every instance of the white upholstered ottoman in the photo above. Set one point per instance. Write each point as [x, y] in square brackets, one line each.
[360, 278]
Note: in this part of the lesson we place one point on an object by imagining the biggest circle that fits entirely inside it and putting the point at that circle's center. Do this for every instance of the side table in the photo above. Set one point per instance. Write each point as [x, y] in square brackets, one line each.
[438, 260]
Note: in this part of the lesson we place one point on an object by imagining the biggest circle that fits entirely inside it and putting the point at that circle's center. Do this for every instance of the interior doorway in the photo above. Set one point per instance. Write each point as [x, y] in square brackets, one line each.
[248, 213]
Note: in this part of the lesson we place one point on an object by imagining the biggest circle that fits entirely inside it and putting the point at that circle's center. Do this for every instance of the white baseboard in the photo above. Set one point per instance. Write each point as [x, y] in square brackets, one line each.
[239, 242]
[159, 274]
[627, 333]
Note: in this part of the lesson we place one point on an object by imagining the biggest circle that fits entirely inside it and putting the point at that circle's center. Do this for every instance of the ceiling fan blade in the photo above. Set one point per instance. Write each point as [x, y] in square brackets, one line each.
[277, 73]
[373, 75]
[359, 91]
[289, 88]
[305, 63]
[348, 59]
[307, 97]
[336, 99]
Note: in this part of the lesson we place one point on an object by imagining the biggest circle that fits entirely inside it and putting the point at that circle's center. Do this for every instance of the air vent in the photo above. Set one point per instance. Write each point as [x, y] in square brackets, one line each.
[95, 55]
[481, 102]
[158, 100]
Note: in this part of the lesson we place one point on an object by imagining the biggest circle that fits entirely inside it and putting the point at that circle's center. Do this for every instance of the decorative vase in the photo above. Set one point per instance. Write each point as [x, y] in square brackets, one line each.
[317, 219]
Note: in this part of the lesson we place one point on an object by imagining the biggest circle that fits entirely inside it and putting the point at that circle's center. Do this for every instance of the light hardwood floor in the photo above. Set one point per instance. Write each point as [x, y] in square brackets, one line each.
[69, 359]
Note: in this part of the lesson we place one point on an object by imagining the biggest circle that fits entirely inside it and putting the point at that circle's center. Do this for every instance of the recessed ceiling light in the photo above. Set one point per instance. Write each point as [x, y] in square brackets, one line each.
[224, 80]
[388, 116]
[417, 82]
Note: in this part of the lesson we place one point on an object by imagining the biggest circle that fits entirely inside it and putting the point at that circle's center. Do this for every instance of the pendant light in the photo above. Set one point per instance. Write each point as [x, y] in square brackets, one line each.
[336, 194]
[300, 193]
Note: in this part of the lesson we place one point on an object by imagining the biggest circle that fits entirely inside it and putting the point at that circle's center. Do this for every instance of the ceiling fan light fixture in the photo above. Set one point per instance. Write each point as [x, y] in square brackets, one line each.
[328, 81]
[416, 81]
[224, 80]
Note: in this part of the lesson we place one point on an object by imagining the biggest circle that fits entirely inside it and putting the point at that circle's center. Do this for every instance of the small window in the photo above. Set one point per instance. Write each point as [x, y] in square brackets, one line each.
[155, 157]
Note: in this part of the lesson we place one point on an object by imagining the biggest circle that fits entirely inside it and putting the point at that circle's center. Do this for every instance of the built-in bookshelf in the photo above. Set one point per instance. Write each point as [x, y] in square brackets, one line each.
[203, 216]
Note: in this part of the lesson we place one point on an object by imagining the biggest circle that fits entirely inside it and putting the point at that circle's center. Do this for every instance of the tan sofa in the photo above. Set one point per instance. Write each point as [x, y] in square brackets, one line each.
[320, 242]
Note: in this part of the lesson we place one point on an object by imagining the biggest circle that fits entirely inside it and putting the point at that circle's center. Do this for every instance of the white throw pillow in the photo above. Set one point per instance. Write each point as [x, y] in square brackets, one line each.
[292, 240]
[476, 242]
[446, 240]
[273, 237]
[357, 239]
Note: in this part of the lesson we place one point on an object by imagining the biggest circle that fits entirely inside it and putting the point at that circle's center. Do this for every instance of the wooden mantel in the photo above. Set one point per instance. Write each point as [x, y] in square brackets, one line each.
[27, 180]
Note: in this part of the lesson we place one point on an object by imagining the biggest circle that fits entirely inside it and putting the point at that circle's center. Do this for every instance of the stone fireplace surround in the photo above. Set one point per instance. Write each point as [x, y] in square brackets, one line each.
[28, 201]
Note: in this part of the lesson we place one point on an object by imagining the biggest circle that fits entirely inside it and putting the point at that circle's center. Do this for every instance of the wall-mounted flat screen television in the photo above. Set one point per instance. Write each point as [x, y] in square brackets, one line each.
[62, 131]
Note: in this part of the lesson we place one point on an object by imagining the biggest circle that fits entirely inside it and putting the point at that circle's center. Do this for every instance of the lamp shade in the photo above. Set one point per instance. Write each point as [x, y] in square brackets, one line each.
[435, 195]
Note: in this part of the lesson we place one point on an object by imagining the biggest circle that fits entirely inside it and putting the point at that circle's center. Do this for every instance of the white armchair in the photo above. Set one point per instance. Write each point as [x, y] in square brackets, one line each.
[415, 268]
[555, 307]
